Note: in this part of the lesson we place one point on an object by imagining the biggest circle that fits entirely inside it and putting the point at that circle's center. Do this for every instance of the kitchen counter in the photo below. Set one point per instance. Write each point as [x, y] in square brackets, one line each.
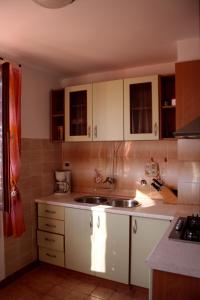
[175, 256]
[149, 208]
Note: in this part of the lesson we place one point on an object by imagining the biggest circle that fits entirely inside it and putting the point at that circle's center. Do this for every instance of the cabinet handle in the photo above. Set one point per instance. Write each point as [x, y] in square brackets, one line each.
[50, 255]
[135, 226]
[50, 225]
[95, 131]
[91, 223]
[89, 131]
[49, 240]
[50, 211]
[98, 223]
[155, 129]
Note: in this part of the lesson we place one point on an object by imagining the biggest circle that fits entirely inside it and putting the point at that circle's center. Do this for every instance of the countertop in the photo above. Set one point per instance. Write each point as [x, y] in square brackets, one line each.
[175, 256]
[149, 208]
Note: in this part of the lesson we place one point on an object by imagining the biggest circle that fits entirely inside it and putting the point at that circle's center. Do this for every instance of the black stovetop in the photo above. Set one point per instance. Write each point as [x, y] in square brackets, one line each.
[187, 229]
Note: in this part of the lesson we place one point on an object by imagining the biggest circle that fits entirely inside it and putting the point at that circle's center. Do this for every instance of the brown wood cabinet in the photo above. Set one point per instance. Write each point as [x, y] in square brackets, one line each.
[187, 92]
[168, 286]
[167, 106]
[57, 115]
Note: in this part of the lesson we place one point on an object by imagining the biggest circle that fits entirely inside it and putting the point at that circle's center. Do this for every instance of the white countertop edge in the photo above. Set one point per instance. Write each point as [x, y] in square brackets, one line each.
[116, 210]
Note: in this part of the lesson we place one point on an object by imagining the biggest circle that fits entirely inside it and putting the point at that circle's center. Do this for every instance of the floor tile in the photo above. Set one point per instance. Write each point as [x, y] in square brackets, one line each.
[102, 292]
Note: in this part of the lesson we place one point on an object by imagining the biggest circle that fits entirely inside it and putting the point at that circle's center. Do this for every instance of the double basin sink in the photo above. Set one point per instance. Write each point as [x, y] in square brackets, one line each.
[102, 200]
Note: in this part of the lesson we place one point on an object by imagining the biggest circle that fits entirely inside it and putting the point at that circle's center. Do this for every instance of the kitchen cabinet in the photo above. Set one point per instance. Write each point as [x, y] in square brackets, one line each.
[57, 115]
[167, 286]
[146, 232]
[187, 92]
[141, 113]
[97, 243]
[108, 110]
[95, 111]
[167, 106]
[50, 234]
[78, 113]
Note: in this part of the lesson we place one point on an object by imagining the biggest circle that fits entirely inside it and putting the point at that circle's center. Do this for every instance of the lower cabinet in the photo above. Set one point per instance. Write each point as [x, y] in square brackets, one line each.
[146, 232]
[50, 234]
[97, 243]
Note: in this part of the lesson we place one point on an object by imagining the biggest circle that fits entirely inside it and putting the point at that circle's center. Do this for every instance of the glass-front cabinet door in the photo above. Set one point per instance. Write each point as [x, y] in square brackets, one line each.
[78, 112]
[141, 117]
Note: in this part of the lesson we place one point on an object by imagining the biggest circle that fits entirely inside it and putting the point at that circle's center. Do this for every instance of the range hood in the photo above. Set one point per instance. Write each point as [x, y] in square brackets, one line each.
[189, 131]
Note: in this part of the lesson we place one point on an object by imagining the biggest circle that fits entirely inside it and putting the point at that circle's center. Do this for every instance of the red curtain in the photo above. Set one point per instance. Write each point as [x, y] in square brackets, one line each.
[13, 215]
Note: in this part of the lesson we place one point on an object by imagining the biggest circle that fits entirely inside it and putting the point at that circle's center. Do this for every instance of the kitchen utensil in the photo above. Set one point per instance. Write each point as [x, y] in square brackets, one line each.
[166, 193]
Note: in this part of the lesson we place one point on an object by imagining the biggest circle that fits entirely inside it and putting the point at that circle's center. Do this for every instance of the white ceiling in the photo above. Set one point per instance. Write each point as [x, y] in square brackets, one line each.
[96, 35]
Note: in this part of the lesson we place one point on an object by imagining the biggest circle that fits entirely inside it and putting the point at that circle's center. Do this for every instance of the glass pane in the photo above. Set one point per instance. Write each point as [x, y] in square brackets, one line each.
[78, 113]
[141, 108]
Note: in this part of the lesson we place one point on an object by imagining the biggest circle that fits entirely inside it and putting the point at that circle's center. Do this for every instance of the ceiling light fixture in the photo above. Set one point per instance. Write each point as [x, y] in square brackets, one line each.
[53, 3]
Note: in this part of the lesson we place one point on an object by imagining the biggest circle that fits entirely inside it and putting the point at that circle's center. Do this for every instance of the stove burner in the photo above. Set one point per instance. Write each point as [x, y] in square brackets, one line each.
[187, 229]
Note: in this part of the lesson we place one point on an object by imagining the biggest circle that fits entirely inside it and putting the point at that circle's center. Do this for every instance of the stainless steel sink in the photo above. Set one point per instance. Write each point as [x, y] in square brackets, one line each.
[115, 202]
[120, 202]
[92, 199]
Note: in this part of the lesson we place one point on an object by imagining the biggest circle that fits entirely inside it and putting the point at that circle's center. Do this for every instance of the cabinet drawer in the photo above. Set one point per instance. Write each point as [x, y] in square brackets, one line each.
[51, 256]
[51, 225]
[50, 211]
[50, 240]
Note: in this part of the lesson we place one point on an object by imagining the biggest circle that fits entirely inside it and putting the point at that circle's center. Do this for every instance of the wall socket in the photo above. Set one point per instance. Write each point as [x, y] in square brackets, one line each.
[66, 165]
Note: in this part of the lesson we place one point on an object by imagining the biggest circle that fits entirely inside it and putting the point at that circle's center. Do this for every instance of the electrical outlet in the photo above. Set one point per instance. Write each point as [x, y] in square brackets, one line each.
[66, 165]
[152, 169]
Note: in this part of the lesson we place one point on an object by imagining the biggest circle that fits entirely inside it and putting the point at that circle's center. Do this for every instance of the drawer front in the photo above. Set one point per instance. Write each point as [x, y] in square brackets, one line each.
[50, 240]
[51, 225]
[51, 256]
[51, 211]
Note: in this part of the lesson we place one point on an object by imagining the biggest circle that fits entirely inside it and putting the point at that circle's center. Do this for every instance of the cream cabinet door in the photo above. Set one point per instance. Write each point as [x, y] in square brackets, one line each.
[78, 240]
[108, 110]
[111, 257]
[141, 108]
[78, 113]
[146, 233]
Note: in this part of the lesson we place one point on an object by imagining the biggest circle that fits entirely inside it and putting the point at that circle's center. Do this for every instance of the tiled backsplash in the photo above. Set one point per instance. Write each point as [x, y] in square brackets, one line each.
[129, 160]
[39, 159]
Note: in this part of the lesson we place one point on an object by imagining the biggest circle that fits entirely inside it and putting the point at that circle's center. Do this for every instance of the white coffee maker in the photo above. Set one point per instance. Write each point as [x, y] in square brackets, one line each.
[63, 181]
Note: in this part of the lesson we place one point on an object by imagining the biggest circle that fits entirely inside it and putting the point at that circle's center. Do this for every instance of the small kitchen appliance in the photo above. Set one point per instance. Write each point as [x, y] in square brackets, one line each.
[63, 181]
[187, 229]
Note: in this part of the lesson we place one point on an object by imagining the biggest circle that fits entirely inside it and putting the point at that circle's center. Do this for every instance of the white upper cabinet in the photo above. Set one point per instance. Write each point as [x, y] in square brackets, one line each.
[108, 110]
[141, 111]
[78, 113]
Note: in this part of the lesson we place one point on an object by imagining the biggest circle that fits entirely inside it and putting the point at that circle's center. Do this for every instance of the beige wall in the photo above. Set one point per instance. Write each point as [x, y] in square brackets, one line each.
[36, 88]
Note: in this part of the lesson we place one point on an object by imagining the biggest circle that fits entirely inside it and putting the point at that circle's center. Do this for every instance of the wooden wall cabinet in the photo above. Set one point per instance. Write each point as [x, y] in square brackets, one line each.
[187, 92]
[141, 113]
[167, 106]
[57, 115]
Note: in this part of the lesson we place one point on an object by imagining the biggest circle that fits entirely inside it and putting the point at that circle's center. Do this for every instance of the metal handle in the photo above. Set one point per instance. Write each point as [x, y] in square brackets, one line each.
[135, 226]
[50, 211]
[50, 225]
[95, 131]
[155, 129]
[50, 255]
[91, 223]
[49, 240]
[98, 223]
[89, 131]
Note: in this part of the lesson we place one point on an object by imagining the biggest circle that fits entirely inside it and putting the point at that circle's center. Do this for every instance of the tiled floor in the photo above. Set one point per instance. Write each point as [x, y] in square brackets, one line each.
[47, 282]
